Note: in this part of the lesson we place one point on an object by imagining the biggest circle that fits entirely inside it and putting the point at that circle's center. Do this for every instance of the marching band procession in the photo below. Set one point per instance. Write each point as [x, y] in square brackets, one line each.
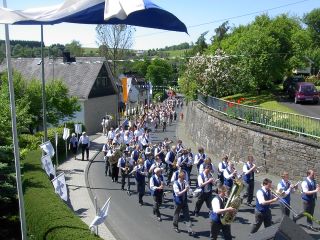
[166, 168]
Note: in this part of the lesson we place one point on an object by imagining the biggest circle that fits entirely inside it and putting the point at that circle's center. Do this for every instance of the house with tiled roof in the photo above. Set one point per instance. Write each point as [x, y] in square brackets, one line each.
[89, 79]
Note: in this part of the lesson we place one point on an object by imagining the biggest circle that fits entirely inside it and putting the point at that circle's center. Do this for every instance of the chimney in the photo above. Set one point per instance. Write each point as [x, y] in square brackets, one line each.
[67, 58]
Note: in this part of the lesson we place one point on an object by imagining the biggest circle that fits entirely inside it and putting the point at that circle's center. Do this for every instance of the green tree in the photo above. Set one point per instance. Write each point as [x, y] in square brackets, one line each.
[59, 104]
[17, 51]
[75, 48]
[8, 195]
[141, 67]
[114, 42]
[159, 72]
[266, 50]
[200, 45]
[312, 20]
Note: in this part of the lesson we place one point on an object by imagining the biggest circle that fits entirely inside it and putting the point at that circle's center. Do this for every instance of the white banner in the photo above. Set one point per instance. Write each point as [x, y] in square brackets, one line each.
[47, 165]
[47, 148]
[102, 215]
[60, 186]
[66, 133]
[78, 128]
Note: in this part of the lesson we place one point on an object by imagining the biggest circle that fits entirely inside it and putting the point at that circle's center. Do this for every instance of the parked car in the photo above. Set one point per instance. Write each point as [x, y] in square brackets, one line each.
[290, 82]
[303, 92]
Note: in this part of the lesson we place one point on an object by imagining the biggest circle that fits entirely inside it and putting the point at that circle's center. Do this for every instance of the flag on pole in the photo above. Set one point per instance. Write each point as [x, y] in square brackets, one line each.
[60, 186]
[78, 128]
[102, 215]
[47, 165]
[66, 133]
[47, 148]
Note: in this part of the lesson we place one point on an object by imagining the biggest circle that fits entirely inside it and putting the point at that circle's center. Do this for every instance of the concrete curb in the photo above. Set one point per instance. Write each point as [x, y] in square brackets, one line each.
[111, 230]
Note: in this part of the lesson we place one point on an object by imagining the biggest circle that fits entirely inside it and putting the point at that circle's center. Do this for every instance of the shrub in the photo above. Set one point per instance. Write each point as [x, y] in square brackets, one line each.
[46, 215]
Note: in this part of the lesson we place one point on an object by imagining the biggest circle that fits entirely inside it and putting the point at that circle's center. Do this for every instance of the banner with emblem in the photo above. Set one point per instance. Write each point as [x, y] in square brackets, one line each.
[78, 128]
[60, 186]
[102, 215]
[47, 148]
[47, 165]
[66, 133]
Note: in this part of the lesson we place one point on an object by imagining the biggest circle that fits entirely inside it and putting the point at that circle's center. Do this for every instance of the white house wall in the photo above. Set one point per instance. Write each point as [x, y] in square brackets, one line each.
[96, 108]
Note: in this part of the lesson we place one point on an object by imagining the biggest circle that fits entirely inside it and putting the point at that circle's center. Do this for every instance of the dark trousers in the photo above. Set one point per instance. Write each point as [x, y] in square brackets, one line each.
[164, 126]
[221, 178]
[141, 189]
[309, 208]
[170, 173]
[74, 149]
[215, 229]
[249, 191]
[85, 148]
[114, 172]
[260, 218]
[108, 167]
[157, 201]
[203, 197]
[124, 175]
[185, 211]
[284, 210]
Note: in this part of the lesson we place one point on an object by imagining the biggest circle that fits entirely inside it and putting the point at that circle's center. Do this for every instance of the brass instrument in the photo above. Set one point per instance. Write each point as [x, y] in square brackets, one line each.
[174, 163]
[234, 201]
[281, 194]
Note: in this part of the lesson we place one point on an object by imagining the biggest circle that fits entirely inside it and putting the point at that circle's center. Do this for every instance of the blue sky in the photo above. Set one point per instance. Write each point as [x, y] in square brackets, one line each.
[192, 12]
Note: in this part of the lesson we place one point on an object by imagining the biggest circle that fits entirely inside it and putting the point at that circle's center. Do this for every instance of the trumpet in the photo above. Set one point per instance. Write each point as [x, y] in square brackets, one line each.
[258, 169]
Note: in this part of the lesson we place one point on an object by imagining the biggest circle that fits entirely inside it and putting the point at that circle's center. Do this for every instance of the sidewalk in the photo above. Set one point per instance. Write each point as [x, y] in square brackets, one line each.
[79, 197]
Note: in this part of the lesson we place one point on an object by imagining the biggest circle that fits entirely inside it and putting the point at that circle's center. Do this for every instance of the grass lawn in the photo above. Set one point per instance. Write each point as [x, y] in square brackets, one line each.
[177, 53]
[265, 100]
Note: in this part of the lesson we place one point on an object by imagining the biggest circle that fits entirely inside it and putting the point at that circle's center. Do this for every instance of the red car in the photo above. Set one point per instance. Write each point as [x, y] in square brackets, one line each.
[303, 92]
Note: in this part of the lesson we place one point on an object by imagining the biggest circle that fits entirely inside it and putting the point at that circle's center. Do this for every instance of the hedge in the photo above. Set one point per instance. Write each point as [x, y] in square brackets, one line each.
[28, 142]
[47, 216]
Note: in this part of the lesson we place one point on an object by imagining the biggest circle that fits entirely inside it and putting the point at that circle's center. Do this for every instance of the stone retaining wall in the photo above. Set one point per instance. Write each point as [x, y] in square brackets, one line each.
[277, 151]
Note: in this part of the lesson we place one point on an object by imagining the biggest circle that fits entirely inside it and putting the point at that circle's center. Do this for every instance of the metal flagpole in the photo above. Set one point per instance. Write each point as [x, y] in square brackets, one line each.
[15, 134]
[44, 111]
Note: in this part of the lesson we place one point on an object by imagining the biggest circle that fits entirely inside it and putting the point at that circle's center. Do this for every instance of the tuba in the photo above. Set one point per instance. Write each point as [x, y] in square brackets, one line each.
[234, 201]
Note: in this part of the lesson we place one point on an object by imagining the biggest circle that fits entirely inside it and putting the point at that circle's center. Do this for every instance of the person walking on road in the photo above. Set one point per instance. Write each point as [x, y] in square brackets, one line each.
[205, 182]
[85, 145]
[286, 188]
[218, 209]
[309, 197]
[180, 191]
[248, 169]
[264, 199]
[156, 186]
[141, 174]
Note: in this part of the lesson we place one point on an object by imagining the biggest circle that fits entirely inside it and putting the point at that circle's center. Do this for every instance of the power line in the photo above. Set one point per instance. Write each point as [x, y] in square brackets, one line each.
[229, 18]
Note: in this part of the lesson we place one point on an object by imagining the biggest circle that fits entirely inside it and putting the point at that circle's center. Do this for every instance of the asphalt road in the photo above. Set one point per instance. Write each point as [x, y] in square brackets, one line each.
[307, 109]
[128, 220]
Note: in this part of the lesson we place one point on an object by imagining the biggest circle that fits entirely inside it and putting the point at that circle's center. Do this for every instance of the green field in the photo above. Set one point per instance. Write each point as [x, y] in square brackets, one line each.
[91, 51]
[177, 53]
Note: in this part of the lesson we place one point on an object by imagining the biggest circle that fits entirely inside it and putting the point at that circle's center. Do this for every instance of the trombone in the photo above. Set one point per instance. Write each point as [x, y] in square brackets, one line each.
[281, 194]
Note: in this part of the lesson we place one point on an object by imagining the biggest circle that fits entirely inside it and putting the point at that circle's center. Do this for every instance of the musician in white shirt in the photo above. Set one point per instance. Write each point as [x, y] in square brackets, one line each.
[180, 191]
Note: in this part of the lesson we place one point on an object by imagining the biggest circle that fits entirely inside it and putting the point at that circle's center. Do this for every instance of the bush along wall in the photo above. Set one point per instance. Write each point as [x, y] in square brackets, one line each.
[28, 142]
[47, 216]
